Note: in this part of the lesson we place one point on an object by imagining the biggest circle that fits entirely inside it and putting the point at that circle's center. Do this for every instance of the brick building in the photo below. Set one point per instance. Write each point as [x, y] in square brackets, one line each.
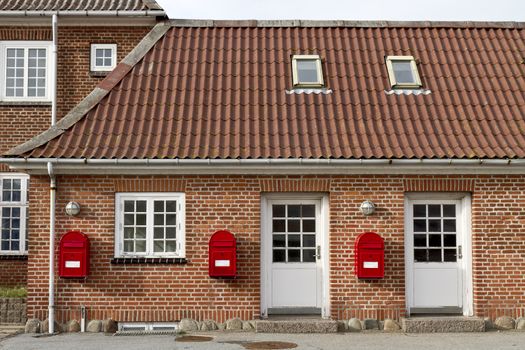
[92, 37]
[279, 132]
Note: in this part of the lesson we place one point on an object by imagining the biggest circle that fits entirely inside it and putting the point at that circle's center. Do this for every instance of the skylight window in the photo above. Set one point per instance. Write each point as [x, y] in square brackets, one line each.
[307, 71]
[402, 71]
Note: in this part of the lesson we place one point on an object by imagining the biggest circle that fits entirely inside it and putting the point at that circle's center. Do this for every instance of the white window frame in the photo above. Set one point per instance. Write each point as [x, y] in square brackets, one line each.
[93, 65]
[392, 77]
[23, 204]
[295, 72]
[4, 45]
[180, 251]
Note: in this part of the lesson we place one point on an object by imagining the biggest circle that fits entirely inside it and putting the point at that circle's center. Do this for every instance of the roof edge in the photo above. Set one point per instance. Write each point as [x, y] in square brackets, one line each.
[343, 23]
[95, 96]
[83, 13]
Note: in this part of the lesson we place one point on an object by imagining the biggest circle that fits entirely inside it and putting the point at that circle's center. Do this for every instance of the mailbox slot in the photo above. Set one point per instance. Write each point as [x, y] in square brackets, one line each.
[369, 252]
[222, 255]
[74, 255]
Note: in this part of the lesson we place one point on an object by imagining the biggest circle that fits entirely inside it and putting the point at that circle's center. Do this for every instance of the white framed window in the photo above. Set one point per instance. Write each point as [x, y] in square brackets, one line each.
[402, 72]
[25, 70]
[13, 214]
[103, 57]
[149, 224]
[307, 71]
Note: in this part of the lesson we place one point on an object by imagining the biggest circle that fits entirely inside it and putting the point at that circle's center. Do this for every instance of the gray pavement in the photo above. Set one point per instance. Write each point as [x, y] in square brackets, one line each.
[234, 341]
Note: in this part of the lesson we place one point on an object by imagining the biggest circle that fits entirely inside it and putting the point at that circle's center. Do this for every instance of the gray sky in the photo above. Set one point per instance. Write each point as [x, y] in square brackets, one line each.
[481, 10]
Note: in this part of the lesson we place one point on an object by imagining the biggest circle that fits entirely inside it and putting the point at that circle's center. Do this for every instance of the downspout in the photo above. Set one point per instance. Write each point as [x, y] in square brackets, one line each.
[52, 187]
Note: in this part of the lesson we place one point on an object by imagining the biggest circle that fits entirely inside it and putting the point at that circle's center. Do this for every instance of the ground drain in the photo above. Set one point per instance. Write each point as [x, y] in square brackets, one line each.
[192, 339]
[270, 345]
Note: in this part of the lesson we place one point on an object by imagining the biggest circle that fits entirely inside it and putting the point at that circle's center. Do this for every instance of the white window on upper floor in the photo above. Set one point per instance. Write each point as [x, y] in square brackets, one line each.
[25, 70]
[149, 225]
[402, 72]
[103, 57]
[307, 71]
[13, 214]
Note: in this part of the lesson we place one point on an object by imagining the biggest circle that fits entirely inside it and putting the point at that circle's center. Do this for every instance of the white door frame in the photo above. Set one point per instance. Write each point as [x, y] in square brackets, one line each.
[266, 249]
[466, 242]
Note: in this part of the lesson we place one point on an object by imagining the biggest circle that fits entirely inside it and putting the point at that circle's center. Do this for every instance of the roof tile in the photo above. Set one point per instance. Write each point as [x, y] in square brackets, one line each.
[220, 92]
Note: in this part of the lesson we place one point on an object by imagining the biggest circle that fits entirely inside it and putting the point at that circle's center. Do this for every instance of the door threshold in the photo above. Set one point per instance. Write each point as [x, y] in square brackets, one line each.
[285, 317]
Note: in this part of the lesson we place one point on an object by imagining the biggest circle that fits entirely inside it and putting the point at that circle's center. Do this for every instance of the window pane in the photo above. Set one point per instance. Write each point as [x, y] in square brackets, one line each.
[420, 255]
[129, 206]
[141, 219]
[294, 240]
[171, 206]
[434, 211]
[294, 211]
[279, 225]
[279, 255]
[294, 225]
[159, 206]
[308, 211]
[5, 245]
[434, 240]
[307, 71]
[159, 219]
[294, 255]
[129, 219]
[158, 233]
[403, 72]
[449, 210]
[171, 246]
[449, 225]
[434, 255]
[308, 225]
[128, 232]
[420, 240]
[420, 210]
[308, 240]
[140, 246]
[279, 211]
[279, 241]
[450, 255]
[434, 225]
[450, 240]
[140, 232]
[15, 245]
[171, 233]
[171, 219]
[309, 255]
[158, 246]
[420, 226]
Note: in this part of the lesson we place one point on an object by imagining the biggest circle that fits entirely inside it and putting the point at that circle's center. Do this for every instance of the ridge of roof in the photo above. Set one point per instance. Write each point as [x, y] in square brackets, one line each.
[343, 23]
[102, 89]
[66, 6]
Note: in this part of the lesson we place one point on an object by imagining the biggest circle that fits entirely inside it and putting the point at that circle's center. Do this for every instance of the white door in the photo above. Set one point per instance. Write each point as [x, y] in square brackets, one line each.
[434, 236]
[293, 238]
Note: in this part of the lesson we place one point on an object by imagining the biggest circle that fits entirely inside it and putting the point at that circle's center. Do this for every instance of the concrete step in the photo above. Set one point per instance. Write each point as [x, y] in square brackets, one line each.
[443, 324]
[296, 326]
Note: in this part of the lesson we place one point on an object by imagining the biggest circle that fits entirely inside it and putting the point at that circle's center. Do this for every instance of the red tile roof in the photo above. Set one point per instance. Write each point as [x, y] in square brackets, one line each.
[78, 5]
[224, 92]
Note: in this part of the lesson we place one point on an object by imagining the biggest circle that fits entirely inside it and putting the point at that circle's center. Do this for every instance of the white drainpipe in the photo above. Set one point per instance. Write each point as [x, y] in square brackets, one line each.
[52, 187]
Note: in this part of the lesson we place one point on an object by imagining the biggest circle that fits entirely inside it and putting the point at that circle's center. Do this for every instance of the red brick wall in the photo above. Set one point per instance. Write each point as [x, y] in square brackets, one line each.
[19, 123]
[145, 292]
[13, 273]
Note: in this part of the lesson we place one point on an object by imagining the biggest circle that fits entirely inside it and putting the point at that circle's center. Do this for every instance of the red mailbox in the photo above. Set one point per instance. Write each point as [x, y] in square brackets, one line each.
[223, 254]
[369, 252]
[74, 255]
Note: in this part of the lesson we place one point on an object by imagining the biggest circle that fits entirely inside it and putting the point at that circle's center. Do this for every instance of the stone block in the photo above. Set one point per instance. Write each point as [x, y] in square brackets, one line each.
[504, 323]
[188, 325]
[371, 323]
[234, 324]
[32, 326]
[94, 326]
[44, 327]
[354, 325]
[391, 325]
